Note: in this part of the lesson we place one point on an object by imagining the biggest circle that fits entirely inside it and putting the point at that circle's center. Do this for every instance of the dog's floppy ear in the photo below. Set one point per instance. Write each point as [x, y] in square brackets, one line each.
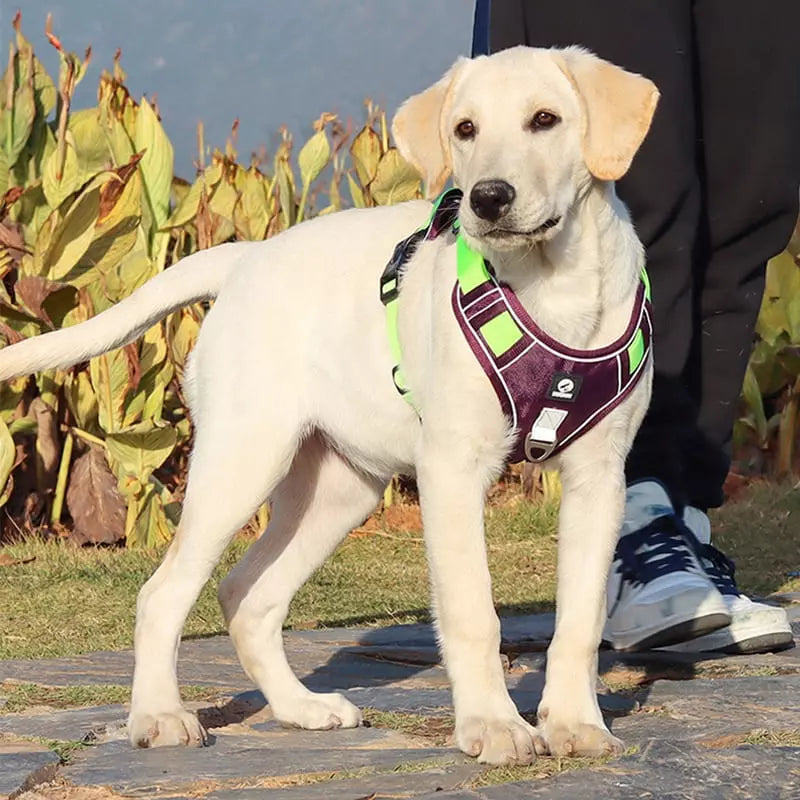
[618, 109]
[419, 135]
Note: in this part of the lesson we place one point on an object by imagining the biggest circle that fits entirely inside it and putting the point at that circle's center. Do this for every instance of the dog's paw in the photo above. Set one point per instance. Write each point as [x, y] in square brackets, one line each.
[499, 740]
[179, 727]
[320, 712]
[579, 740]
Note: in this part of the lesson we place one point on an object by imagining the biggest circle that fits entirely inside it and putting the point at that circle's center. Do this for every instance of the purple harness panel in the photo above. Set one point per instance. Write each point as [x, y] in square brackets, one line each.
[551, 393]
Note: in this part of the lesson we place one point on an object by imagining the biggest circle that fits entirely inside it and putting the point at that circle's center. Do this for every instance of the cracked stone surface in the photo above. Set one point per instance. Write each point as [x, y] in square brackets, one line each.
[696, 726]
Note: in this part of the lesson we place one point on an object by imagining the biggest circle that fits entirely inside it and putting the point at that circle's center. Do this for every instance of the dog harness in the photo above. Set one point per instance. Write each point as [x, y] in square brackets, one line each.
[550, 393]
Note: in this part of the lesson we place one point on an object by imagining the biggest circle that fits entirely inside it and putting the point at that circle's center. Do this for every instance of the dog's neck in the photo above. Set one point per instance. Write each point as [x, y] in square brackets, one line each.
[580, 285]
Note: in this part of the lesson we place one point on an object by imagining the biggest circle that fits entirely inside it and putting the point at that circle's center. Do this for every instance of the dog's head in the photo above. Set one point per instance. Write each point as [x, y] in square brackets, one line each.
[524, 132]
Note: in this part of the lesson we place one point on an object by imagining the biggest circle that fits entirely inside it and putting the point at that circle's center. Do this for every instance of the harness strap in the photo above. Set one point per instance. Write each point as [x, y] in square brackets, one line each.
[444, 215]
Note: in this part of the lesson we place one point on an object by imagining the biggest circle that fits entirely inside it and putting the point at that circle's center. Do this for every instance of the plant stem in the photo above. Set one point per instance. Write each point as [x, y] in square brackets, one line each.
[61, 484]
[87, 437]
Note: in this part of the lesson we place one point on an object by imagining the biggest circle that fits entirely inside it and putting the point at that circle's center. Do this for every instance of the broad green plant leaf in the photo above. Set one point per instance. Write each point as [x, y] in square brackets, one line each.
[156, 167]
[187, 209]
[16, 121]
[91, 144]
[147, 523]
[395, 181]
[57, 189]
[141, 450]
[313, 157]
[182, 332]
[755, 405]
[366, 153]
[111, 381]
[780, 308]
[71, 237]
[356, 192]
[7, 456]
[81, 400]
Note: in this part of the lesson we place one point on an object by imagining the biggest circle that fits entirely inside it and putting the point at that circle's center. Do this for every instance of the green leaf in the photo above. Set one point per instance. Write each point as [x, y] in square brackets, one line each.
[7, 457]
[286, 193]
[755, 405]
[356, 192]
[187, 209]
[251, 214]
[81, 400]
[147, 524]
[313, 157]
[780, 307]
[17, 122]
[56, 189]
[3, 170]
[91, 144]
[140, 451]
[366, 154]
[71, 237]
[395, 181]
[111, 380]
[156, 167]
[182, 332]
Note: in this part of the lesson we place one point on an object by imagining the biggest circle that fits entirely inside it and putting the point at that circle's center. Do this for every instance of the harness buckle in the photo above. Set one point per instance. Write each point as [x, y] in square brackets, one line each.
[542, 438]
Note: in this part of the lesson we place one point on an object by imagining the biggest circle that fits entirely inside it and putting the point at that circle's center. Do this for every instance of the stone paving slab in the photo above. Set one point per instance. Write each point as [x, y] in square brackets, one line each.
[385, 786]
[230, 759]
[74, 724]
[689, 732]
[664, 772]
[23, 767]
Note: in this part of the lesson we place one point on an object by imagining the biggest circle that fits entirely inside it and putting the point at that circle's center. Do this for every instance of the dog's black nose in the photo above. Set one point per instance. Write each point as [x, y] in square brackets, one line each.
[491, 199]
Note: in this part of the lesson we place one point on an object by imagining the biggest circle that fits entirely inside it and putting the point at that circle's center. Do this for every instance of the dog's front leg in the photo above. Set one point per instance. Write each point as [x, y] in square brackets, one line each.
[452, 487]
[591, 513]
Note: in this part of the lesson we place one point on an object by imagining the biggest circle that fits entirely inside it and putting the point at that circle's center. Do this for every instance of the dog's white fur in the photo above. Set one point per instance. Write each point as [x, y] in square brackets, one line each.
[290, 392]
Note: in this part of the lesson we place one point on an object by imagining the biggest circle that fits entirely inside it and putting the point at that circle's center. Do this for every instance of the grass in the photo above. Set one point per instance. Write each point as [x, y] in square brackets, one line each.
[71, 600]
[760, 532]
[22, 696]
[438, 730]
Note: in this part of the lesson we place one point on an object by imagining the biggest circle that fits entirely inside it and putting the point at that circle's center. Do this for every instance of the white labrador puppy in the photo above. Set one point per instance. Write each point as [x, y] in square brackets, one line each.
[291, 395]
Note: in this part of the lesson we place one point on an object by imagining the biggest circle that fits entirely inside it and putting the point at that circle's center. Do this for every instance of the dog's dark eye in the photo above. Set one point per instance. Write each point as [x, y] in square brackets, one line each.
[466, 129]
[543, 120]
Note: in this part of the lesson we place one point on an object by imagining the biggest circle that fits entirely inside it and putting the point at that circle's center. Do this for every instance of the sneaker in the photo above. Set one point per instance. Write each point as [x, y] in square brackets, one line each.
[658, 592]
[755, 627]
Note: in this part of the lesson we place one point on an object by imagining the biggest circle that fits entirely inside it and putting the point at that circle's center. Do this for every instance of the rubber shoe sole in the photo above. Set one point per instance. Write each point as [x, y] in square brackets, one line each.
[684, 615]
[758, 632]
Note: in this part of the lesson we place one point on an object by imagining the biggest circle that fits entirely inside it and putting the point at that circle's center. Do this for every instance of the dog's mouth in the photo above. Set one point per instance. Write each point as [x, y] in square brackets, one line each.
[509, 233]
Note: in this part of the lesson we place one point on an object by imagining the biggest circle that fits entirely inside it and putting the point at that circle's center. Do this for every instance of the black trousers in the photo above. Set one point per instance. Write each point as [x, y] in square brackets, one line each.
[713, 193]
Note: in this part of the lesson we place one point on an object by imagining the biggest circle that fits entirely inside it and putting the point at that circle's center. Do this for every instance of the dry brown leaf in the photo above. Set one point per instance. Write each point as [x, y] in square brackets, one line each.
[94, 502]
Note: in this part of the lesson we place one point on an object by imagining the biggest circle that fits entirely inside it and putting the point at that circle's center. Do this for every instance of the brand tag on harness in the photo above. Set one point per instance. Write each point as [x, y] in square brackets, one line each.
[565, 387]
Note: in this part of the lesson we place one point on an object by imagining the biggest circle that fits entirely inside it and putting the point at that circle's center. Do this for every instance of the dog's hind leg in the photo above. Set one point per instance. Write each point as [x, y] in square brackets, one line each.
[234, 467]
[321, 499]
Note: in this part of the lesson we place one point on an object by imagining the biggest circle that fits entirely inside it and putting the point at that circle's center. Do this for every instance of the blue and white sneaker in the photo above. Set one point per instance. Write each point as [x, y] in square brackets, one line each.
[658, 592]
[755, 627]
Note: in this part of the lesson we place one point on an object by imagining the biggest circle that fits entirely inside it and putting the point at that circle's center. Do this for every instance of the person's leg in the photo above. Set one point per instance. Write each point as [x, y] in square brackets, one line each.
[749, 78]
[749, 71]
[662, 188]
[658, 592]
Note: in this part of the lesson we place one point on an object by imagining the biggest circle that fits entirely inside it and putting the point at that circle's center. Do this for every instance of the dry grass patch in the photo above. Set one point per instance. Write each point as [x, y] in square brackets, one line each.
[24, 696]
[437, 730]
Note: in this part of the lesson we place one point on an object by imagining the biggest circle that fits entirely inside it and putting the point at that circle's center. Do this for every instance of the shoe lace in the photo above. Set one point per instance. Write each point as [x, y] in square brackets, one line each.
[719, 568]
[663, 546]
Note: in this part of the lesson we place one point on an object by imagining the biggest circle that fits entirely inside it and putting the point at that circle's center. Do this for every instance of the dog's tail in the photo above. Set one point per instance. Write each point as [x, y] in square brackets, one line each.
[197, 277]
